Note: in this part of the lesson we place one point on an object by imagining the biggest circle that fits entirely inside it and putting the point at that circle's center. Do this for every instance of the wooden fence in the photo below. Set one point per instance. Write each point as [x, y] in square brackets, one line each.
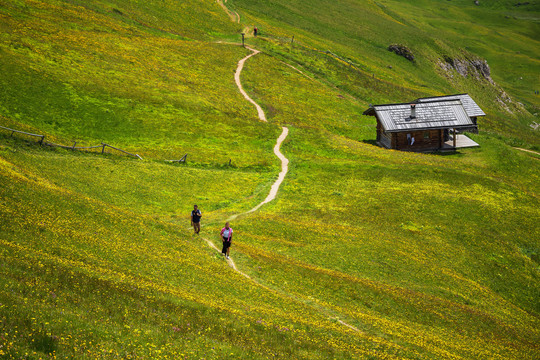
[25, 133]
[183, 159]
[296, 43]
[74, 146]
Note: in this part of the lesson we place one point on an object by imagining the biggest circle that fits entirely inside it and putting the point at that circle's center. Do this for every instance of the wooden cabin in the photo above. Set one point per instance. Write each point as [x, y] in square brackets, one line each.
[421, 126]
[471, 108]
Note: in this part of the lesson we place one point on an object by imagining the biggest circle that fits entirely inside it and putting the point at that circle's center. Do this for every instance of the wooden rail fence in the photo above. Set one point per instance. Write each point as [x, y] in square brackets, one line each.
[25, 133]
[183, 159]
[295, 42]
[73, 147]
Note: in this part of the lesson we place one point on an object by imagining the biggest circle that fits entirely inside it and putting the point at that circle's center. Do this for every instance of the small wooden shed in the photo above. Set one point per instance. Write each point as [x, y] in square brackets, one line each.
[420, 126]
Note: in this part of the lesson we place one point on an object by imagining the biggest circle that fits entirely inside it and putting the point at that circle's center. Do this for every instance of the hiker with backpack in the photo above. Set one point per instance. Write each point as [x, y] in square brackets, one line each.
[226, 236]
[196, 219]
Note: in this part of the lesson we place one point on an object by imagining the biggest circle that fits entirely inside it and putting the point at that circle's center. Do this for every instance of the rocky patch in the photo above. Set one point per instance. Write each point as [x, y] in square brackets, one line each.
[402, 50]
[470, 66]
[475, 67]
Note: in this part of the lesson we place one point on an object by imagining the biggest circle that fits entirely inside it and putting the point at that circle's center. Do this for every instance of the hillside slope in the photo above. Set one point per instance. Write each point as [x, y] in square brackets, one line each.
[365, 252]
[436, 32]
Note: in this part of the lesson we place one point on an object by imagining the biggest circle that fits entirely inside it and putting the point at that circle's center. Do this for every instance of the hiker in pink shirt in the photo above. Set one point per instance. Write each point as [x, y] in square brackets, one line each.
[226, 235]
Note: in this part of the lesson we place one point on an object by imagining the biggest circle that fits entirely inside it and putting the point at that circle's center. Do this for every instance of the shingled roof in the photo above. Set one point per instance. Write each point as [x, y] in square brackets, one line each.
[471, 107]
[440, 114]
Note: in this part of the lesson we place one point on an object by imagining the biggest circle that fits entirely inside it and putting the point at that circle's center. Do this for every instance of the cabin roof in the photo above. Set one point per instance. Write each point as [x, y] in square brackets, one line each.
[471, 107]
[439, 114]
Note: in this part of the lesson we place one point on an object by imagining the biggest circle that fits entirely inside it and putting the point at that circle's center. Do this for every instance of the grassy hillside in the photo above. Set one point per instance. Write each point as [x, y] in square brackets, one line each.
[361, 31]
[89, 74]
[420, 256]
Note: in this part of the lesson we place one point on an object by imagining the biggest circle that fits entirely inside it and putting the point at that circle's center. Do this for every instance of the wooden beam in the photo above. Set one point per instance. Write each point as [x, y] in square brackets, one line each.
[454, 138]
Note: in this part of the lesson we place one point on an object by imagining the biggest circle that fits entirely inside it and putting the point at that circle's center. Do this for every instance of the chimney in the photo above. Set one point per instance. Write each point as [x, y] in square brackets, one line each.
[413, 111]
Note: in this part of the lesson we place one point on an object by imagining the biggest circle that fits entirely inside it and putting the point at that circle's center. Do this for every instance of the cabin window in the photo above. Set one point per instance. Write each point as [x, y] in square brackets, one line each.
[426, 135]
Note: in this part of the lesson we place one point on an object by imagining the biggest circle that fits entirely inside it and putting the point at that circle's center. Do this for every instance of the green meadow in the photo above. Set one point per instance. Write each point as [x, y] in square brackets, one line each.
[366, 253]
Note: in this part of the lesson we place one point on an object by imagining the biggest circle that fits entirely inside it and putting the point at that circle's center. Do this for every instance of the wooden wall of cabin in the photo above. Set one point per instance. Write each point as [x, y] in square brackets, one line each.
[386, 140]
[383, 138]
[423, 140]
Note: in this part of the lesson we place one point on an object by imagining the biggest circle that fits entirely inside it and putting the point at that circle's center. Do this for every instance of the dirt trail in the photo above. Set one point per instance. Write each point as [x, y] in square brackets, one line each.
[281, 292]
[321, 308]
[284, 169]
[529, 151]
[260, 111]
[233, 15]
[299, 71]
[275, 187]
[285, 131]
[230, 261]
[284, 161]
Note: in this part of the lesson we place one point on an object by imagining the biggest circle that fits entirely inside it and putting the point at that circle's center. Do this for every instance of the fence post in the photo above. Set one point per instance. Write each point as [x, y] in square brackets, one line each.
[103, 149]
[73, 148]
[42, 138]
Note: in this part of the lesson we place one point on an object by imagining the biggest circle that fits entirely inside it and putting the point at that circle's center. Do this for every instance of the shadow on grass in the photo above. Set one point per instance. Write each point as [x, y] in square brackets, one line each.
[44, 343]
[449, 152]
[456, 153]
[370, 142]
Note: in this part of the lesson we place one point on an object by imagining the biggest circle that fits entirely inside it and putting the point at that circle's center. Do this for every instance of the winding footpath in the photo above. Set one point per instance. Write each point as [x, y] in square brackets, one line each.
[284, 161]
[284, 169]
[273, 190]
[529, 151]
[260, 111]
[233, 15]
[285, 131]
